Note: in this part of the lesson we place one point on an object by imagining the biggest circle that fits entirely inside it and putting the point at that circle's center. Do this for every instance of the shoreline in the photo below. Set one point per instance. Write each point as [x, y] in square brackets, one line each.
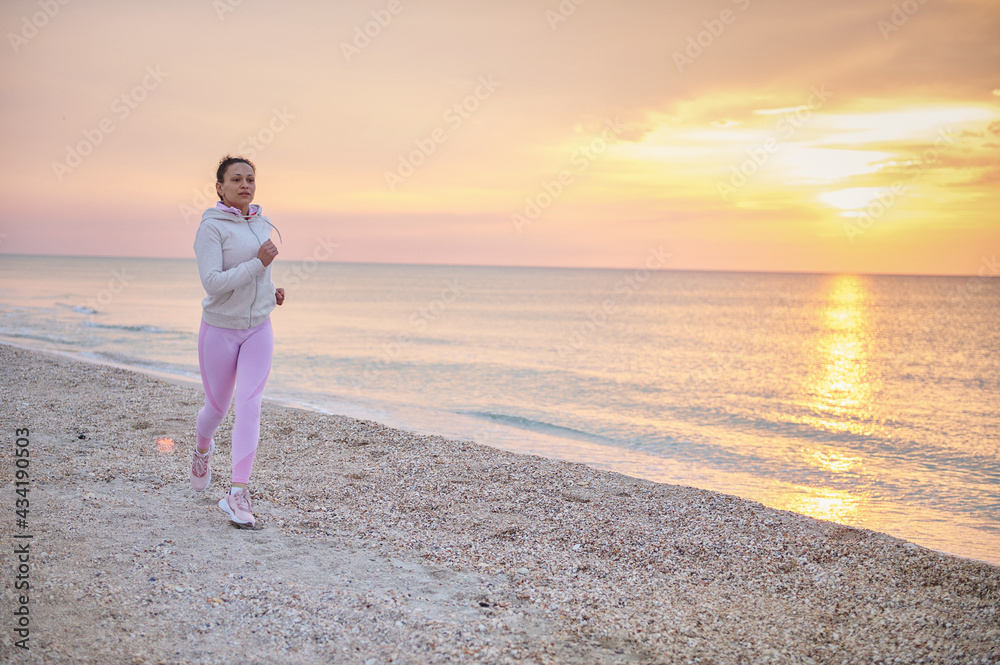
[635, 464]
[380, 545]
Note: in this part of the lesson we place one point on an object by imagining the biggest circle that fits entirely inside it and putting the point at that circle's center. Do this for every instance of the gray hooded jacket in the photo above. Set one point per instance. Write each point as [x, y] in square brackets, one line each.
[239, 287]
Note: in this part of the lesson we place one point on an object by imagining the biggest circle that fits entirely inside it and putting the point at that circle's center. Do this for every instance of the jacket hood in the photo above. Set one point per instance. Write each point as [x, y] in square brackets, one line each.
[225, 216]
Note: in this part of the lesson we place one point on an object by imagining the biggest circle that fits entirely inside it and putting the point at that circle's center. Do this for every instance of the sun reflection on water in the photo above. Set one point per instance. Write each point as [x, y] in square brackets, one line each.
[839, 391]
[825, 504]
[837, 397]
[834, 461]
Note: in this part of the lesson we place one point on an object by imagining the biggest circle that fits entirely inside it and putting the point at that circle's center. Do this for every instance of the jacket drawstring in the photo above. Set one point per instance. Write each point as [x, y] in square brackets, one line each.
[248, 217]
[276, 229]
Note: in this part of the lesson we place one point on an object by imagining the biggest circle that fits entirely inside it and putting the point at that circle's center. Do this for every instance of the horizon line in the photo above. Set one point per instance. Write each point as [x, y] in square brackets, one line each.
[529, 267]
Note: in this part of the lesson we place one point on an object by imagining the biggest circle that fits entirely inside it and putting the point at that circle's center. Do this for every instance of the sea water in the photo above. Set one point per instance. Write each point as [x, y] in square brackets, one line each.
[866, 400]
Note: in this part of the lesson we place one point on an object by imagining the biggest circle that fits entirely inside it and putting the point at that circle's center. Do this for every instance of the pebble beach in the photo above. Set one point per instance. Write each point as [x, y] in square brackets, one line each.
[377, 545]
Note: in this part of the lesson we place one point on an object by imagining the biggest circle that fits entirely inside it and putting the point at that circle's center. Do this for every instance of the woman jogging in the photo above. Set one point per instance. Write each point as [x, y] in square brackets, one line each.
[235, 341]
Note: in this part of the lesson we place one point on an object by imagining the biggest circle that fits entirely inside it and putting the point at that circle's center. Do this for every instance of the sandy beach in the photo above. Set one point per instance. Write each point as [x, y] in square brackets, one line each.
[382, 546]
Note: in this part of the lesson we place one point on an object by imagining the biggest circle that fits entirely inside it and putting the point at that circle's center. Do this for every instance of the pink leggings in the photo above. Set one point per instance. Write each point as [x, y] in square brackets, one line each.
[240, 360]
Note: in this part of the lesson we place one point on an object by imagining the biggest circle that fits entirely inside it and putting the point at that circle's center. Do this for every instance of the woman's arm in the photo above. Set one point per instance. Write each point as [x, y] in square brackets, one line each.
[208, 250]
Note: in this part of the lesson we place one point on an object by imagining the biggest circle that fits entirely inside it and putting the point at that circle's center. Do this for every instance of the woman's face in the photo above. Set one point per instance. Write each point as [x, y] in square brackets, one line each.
[238, 186]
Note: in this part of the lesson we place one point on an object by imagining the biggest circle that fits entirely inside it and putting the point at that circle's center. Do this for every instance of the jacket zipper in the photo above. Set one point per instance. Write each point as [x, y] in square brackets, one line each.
[255, 282]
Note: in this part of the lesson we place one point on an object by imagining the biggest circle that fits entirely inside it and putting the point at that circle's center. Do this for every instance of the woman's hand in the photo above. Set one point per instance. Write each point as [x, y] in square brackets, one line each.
[279, 296]
[267, 252]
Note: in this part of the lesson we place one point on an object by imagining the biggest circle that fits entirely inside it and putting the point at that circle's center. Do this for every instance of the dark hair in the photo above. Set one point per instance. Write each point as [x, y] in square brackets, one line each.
[228, 161]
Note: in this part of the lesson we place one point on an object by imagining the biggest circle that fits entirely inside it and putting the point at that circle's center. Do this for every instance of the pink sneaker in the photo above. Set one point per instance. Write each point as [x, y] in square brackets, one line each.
[237, 506]
[201, 472]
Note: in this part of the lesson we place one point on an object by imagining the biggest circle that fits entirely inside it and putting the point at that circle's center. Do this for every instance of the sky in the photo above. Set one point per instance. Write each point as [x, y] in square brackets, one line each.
[850, 137]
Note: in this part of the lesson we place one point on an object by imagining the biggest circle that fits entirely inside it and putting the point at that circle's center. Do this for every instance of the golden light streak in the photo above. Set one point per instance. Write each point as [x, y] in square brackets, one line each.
[825, 504]
[851, 199]
[904, 124]
[839, 390]
[834, 461]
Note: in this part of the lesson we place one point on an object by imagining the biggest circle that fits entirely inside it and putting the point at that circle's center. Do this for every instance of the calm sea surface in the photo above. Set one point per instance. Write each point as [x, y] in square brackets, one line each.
[866, 400]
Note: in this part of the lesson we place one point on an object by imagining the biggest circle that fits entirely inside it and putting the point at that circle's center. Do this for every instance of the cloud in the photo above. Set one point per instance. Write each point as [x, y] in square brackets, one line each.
[681, 130]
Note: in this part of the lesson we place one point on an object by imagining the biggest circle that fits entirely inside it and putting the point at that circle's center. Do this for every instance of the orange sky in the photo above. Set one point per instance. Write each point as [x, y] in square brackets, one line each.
[855, 136]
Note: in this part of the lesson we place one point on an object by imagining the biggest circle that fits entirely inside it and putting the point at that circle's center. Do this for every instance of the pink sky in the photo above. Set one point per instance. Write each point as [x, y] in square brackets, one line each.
[739, 134]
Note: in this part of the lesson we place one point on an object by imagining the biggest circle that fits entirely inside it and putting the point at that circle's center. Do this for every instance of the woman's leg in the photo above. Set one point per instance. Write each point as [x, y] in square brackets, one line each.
[218, 351]
[252, 370]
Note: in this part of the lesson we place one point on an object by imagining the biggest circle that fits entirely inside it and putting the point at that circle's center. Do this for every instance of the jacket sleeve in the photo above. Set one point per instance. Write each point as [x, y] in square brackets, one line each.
[208, 251]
